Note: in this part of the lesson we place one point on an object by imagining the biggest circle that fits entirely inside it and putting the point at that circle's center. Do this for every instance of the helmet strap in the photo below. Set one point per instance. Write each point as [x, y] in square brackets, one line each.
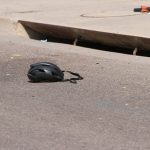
[73, 80]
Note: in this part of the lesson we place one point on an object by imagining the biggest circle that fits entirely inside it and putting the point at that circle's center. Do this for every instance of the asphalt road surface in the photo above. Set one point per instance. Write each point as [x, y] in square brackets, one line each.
[107, 110]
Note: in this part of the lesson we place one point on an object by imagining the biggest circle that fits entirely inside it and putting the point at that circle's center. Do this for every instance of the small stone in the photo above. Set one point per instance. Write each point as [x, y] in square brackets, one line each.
[124, 87]
[100, 118]
[16, 55]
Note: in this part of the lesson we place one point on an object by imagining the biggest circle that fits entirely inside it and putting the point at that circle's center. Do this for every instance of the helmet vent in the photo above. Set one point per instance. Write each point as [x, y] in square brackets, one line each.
[41, 70]
[53, 73]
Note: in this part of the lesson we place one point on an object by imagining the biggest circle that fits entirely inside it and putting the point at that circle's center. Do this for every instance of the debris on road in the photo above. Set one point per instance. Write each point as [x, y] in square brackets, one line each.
[143, 8]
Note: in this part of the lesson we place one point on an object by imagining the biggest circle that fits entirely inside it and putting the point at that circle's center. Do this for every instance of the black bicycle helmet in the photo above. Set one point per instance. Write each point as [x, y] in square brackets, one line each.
[45, 71]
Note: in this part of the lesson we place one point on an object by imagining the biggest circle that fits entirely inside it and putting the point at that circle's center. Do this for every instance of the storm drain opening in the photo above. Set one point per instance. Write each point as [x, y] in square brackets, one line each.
[111, 42]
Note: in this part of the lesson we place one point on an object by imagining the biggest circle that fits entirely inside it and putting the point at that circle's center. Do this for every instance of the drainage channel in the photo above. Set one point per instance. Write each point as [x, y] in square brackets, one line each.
[112, 42]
